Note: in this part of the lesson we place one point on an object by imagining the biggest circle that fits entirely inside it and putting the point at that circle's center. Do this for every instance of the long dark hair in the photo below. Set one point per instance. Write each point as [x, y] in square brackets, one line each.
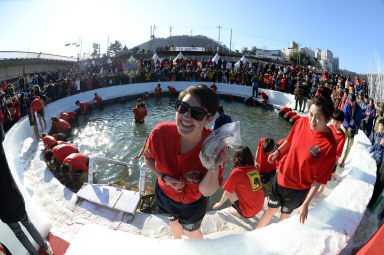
[242, 157]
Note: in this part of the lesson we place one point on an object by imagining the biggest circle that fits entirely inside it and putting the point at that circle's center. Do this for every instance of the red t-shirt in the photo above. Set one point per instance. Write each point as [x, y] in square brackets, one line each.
[172, 90]
[78, 161]
[163, 146]
[65, 116]
[72, 114]
[49, 140]
[214, 87]
[37, 105]
[340, 139]
[245, 181]
[310, 158]
[58, 136]
[262, 159]
[61, 125]
[139, 115]
[83, 106]
[63, 150]
[157, 90]
[264, 96]
[98, 99]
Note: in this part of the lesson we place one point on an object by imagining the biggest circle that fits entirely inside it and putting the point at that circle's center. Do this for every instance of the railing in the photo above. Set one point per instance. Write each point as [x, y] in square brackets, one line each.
[5, 55]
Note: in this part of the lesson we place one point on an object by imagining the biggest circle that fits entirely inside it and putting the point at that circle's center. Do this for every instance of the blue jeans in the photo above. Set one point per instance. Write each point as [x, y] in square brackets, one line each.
[15, 227]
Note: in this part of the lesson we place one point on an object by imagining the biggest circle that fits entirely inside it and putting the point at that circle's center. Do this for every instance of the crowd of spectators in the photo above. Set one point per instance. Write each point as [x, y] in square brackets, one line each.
[301, 81]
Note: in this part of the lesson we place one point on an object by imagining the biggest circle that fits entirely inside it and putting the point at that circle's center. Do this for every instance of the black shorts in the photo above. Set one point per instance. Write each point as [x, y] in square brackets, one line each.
[237, 207]
[32, 119]
[40, 113]
[189, 215]
[288, 199]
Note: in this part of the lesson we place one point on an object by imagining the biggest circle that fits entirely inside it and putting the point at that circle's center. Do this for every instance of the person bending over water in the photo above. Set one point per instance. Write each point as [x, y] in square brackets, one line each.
[172, 153]
[311, 155]
[243, 187]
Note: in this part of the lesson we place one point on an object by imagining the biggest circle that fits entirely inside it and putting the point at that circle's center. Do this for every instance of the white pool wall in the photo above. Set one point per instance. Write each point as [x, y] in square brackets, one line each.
[330, 224]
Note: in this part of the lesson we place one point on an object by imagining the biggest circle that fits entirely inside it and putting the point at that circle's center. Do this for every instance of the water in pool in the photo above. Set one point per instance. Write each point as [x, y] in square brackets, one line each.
[111, 133]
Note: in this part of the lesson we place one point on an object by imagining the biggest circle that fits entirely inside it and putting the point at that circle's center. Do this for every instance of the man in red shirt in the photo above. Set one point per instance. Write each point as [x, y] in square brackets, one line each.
[70, 117]
[140, 111]
[76, 162]
[38, 107]
[98, 100]
[59, 125]
[158, 91]
[214, 87]
[60, 152]
[84, 107]
[172, 91]
[243, 187]
[264, 97]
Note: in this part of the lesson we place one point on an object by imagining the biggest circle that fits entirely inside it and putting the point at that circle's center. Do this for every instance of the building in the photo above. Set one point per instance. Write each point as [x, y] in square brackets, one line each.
[328, 62]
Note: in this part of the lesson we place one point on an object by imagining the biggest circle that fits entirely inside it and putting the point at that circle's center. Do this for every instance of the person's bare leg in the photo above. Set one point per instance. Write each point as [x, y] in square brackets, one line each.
[197, 234]
[176, 228]
[41, 125]
[267, 217]
[284, 216]
[45, 123]
[36, 132]
[233, 211]
[320, 191]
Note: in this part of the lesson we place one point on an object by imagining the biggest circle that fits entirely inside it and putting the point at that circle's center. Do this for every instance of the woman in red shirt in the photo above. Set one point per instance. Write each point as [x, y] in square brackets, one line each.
[172, 153]
[243, 187]
[310, 156]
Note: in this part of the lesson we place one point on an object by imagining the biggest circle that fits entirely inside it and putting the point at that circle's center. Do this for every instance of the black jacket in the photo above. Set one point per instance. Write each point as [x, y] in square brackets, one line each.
[11, 201]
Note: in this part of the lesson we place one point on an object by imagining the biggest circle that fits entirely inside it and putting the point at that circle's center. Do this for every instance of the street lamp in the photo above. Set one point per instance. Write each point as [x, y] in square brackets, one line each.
[75, 45]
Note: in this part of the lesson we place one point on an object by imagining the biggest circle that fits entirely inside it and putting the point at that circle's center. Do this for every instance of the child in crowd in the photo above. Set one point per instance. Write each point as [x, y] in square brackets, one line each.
[338, 132]
[378, 152]
[267, 170]
[243, 187]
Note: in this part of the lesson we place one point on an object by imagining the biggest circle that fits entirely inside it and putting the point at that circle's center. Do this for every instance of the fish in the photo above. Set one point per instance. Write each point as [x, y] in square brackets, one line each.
[226, 135]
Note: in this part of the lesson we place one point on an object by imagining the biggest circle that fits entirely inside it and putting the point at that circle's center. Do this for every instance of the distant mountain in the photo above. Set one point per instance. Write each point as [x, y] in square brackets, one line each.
[182, 41]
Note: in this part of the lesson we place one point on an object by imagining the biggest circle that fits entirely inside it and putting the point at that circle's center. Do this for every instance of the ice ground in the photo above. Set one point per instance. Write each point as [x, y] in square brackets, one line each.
[331, 222]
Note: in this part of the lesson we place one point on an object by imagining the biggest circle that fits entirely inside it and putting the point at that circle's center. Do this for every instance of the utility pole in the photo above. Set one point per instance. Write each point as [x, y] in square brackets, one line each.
[230, 42]
[191, 33]
[218, 42]
[153, 37]
[170, 34]
[108, 46]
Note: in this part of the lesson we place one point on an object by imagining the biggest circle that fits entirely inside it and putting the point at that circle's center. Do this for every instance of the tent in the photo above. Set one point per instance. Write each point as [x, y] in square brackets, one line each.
[244, 60]
[216, 58]
[131, 59]
[156, 58]
[109, 61]
[237, 65]
[179, 56]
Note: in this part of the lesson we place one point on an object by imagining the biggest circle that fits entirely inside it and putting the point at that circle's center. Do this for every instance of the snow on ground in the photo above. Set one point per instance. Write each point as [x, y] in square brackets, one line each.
[333, 219]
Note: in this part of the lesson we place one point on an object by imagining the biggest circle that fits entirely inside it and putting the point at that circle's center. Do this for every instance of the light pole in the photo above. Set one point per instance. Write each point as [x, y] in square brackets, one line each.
[76, 45]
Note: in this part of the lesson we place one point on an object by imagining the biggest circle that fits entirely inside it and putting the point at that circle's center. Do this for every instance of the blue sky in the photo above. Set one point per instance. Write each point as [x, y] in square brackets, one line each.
[353, 30]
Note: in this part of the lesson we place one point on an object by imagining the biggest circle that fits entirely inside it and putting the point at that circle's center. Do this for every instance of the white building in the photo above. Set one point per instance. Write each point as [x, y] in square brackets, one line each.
[327, 60]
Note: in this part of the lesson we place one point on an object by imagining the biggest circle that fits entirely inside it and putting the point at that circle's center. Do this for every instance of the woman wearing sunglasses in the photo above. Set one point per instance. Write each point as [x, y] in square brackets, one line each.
[172, 153]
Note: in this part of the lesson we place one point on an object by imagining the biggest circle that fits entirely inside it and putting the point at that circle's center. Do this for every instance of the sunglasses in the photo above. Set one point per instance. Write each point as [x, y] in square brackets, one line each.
[197, 113]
